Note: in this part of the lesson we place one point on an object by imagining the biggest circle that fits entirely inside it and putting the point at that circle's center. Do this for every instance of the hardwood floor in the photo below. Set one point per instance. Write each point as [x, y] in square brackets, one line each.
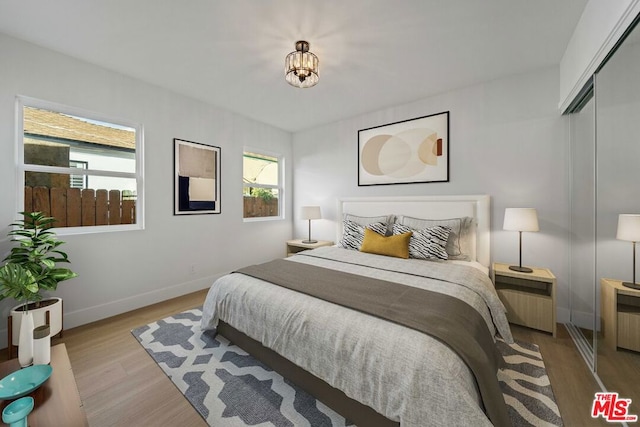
[120, 385]
[573, 384]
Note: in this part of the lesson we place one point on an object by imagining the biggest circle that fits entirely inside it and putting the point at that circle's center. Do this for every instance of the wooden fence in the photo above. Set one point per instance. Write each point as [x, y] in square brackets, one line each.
[75, 207]
[255, 207]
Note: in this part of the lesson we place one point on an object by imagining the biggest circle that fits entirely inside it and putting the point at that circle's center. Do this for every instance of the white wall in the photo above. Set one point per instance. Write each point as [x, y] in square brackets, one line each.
[125, 270]
[507, 140]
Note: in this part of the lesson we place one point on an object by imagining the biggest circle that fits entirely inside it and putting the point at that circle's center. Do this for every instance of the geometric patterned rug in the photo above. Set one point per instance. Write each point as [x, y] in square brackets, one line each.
[230, 388]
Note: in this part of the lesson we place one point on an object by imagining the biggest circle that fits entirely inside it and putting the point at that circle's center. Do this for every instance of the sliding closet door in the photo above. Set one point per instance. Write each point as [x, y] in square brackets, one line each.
[582, 197]
[617, 91]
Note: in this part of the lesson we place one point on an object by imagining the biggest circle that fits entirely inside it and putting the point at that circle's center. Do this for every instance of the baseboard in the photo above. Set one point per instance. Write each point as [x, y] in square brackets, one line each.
[113, 308]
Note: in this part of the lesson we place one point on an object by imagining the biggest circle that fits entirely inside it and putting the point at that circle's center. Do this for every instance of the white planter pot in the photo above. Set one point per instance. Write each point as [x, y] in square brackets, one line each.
[25, 340]
[39, 318]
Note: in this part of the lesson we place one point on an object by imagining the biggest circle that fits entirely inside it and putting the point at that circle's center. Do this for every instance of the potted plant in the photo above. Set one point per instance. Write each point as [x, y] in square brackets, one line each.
[30, 268]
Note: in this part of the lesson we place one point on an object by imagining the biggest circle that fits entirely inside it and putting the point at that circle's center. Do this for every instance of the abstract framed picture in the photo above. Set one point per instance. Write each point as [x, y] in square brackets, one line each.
[196, 178]
[407, 152]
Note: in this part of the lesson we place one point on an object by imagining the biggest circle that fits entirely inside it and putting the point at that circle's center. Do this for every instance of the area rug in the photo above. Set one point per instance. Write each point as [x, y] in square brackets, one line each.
[230, 388]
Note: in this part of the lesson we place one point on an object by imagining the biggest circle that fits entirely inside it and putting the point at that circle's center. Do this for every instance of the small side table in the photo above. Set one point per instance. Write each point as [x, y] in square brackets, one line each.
[295, 246]
[620, 311]
[530, 298]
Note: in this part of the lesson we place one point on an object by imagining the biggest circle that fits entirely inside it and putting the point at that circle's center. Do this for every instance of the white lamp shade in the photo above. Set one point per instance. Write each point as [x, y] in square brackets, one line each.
[520, 219]
[310, 212]
[629, 227]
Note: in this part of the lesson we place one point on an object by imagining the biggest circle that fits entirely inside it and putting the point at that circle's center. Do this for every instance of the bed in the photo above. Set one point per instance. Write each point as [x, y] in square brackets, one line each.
[372, 370]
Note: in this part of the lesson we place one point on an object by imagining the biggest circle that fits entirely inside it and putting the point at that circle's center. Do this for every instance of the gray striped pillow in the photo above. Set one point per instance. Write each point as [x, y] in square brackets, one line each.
[461, 239]
[353, 233]
[428, 243]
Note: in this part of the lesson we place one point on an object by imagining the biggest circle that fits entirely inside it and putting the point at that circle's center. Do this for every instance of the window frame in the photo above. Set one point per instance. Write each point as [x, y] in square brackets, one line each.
[280, 187]
[22, 168]
[85, 181]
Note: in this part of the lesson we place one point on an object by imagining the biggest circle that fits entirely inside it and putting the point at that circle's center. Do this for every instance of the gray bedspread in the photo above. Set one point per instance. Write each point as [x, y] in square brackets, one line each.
[410, 377]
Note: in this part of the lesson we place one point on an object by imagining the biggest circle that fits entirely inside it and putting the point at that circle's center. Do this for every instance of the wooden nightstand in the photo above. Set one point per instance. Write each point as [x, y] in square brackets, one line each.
[530, 298]
[620, 311]
[295, 246]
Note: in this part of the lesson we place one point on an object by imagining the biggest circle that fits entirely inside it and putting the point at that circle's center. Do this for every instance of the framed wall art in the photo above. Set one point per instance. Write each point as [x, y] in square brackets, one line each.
[196, 178]
[407, 152]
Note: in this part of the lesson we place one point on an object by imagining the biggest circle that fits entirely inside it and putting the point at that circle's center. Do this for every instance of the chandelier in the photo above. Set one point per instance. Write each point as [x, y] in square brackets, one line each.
[301, 66]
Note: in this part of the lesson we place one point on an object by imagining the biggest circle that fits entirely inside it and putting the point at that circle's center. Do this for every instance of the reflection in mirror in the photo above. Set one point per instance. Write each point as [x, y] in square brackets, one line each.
[582, 229]
[617, 91]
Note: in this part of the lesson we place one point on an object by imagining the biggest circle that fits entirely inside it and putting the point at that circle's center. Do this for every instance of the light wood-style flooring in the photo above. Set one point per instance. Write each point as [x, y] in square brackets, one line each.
[120, 385]
[619, 370]
[573, 384]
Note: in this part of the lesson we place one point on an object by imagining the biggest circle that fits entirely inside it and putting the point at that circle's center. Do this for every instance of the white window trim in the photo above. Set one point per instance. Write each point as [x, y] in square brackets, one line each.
[25, 101]
[280, 187]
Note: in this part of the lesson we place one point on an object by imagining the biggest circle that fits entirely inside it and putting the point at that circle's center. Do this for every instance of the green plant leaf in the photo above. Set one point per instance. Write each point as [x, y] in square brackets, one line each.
[62, 254]
[60, 274]
[31, 264]
[18, 283]
[47, 262]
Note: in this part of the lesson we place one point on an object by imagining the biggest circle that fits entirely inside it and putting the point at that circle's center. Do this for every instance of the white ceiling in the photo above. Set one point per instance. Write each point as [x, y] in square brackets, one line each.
[373, 53]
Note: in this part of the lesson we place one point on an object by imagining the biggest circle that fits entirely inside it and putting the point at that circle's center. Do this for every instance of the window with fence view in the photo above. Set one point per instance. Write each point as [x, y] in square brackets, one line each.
[79, 170]
[261, 185]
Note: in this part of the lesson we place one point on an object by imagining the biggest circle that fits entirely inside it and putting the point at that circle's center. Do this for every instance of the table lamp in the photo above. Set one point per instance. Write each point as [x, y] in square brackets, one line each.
[629, 230]
[520, 219]
[309, 213]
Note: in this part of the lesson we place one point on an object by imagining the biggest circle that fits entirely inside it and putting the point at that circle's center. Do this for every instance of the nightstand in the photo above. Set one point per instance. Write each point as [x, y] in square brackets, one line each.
[620, 311]
[530, 298]
[295, 246]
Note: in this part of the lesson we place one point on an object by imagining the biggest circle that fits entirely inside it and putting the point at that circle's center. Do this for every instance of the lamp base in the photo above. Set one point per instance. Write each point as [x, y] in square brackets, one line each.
[309, 241]
[631, 285]
[520, 269]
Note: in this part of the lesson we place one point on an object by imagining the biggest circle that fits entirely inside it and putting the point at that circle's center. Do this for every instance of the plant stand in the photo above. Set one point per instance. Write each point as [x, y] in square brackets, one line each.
[12, 348]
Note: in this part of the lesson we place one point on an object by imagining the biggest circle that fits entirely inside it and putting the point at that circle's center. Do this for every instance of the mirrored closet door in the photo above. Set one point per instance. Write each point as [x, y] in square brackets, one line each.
[582, 229]
[617, 112]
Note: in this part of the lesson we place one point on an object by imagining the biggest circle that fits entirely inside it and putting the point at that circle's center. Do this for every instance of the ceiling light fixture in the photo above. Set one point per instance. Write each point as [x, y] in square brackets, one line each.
[301, 66]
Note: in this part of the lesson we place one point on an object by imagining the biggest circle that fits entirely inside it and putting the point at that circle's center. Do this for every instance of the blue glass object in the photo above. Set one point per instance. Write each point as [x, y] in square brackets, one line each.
[24, 381]
[15, 413]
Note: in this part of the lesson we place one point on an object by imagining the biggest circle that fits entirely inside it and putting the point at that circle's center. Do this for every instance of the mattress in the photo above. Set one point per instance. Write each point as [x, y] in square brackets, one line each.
[403, 374]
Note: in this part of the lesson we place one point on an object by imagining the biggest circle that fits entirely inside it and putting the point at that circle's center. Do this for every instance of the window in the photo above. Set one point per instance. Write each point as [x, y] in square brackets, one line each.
[79, 181]
[262, 185]
[82, 169]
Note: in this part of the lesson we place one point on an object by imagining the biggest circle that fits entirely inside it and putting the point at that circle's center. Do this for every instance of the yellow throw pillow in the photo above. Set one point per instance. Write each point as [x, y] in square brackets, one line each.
[396, 246]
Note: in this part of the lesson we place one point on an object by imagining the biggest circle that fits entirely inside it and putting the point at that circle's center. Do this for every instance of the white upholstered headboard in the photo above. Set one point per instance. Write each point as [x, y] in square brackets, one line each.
[431, 207]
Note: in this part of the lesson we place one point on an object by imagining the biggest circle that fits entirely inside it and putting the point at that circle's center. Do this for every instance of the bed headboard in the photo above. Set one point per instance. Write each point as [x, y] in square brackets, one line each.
[432, 207]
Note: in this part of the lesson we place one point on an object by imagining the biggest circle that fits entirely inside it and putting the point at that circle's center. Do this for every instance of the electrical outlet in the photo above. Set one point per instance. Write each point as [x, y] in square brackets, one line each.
[192, 269]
